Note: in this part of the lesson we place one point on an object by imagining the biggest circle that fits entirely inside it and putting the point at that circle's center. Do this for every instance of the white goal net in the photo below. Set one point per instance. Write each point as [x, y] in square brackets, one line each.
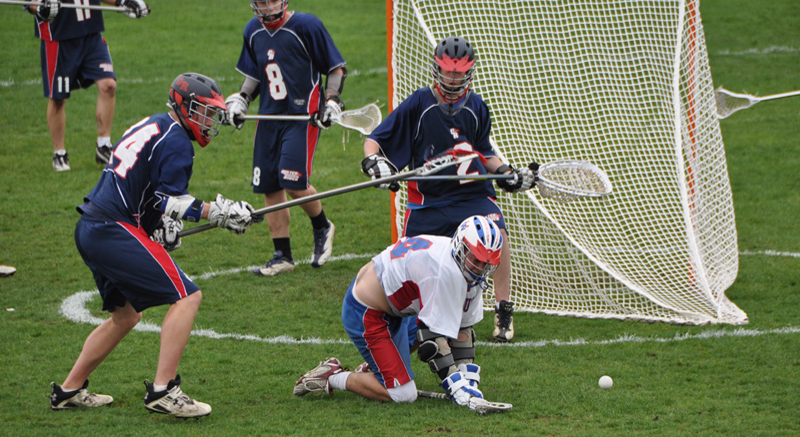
[625, 85]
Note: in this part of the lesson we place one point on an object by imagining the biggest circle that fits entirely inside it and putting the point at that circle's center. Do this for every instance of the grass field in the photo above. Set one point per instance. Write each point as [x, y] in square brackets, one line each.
[669, 380]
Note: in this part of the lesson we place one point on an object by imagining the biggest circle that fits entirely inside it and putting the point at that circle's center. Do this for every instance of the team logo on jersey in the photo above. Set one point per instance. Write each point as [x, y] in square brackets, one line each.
[455, 132]
[108, 68]
[291, 175]
[271, 54]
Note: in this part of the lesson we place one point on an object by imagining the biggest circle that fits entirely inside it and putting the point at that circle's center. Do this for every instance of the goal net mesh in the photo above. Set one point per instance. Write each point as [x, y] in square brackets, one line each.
[625, 85]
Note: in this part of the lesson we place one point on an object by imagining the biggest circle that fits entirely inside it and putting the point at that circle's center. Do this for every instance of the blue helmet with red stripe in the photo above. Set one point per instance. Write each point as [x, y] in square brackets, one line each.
[197, 101]
[477, 246]
[453, 69]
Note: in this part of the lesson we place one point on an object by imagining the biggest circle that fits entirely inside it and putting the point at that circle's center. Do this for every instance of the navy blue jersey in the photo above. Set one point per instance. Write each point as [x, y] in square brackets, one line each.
[153, 159]
[418, 130]
[71, 23]
[288, 63]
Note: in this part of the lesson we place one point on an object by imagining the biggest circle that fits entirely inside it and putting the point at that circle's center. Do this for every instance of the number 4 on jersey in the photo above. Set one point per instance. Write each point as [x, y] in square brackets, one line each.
[127, 151]
[403, 246]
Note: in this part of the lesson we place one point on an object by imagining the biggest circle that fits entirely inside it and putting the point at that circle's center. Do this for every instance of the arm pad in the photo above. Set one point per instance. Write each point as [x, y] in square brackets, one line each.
[183, 207]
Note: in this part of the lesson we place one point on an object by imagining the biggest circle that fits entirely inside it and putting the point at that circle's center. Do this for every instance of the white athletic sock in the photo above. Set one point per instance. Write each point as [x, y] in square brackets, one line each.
[339, 381]
[103, 141]
[159, 388]
[61, 152]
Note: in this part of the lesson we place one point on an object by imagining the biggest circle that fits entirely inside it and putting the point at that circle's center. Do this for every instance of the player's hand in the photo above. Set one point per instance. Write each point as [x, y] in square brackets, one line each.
[48, 9]
[167, 233]
[459, 389]
[524, 179]
[325, 117]
[234, 216]
[378, 167]
[237, 108]
[136, 8]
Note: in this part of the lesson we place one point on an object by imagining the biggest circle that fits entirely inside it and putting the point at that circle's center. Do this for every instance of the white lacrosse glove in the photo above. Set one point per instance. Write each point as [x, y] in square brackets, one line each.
[459, 389]
[167, 233]
[237, 108]
[324, 118]
[378, 167]
[136, 8]
[524, 178]
[235, 216]
[48, 9]
[471, 373]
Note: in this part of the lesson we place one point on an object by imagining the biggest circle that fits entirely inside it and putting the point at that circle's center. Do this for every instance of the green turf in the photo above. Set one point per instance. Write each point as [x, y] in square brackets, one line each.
[695, 384]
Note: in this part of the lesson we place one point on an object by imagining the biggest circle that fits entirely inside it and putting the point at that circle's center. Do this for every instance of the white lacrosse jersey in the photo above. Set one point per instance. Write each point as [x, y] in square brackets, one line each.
[420, 277]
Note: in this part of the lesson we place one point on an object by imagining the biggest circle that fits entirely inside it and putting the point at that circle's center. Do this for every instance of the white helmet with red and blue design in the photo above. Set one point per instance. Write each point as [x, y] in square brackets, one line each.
[481, 238]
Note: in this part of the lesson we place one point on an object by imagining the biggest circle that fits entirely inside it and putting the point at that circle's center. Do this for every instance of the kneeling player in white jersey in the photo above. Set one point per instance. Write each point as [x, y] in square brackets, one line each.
[440, 281]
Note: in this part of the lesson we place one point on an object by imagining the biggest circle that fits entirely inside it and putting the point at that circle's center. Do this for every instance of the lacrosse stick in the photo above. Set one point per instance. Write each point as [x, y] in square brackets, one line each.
[430, 167]
[730, 102]
[363, 120]
[481, 406]
[69, 6]
[562, 181]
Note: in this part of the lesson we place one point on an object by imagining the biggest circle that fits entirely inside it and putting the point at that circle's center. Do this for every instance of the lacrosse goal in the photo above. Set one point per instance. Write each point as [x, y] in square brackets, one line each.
[626, 86]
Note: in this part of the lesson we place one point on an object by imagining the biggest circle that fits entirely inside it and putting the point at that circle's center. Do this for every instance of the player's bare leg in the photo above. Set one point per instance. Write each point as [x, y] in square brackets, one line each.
[175, 331]
[368, 386]
[104, 113]
[57, 123]
[100, 343]
[164, 395]
[323, 228]
[503, 319]
[278, 222]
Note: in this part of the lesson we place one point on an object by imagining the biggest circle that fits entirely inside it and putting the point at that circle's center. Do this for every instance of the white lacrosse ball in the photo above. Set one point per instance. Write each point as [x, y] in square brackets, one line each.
[605, 382]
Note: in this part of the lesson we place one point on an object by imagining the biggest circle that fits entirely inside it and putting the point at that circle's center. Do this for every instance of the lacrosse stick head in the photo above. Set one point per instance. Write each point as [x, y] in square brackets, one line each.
[363, 120]
[197, 100]
[729, 102]
[476, 248]
[565, 181]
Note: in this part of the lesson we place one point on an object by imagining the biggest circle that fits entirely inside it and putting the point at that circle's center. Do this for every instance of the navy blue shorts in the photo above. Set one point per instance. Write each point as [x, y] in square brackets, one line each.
[445, 220]
[128, 266]
[73, 64]
[283, 154]
[382, 340]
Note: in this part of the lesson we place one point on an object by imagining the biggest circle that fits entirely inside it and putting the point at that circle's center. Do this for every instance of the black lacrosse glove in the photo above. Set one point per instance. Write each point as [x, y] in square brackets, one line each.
[325, 117]
[377, 167]
[136, 8]
[524, 178]
[48, 9]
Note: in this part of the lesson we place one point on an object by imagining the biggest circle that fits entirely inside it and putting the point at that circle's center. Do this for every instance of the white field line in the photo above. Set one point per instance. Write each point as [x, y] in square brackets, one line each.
[167, 80]
[74, 309]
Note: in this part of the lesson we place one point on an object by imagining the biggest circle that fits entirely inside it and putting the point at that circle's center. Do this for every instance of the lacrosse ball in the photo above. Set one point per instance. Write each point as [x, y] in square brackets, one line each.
[606, 382]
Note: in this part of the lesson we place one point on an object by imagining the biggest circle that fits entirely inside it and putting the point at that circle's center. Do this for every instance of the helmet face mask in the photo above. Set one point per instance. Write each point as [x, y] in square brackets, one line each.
[453, 69]
[476, 248]
[268, 14]
[198, 102]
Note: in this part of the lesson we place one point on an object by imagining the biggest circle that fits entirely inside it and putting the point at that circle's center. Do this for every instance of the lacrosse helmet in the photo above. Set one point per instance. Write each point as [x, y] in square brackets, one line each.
[480, 237]
[198, 102]
[266, 14]
[453, 68]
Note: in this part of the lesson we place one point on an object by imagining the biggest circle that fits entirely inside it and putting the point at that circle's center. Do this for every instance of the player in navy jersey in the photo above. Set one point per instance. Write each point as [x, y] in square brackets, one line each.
[129, 221]
[433, 279]
[284, 56]
[74, 55]
[448, 115]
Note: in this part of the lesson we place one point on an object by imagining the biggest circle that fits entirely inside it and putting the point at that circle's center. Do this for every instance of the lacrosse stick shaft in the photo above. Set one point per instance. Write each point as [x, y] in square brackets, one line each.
[477, 177]
[68, 6]
[277, 117]
[779, 96]
[334, 192]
